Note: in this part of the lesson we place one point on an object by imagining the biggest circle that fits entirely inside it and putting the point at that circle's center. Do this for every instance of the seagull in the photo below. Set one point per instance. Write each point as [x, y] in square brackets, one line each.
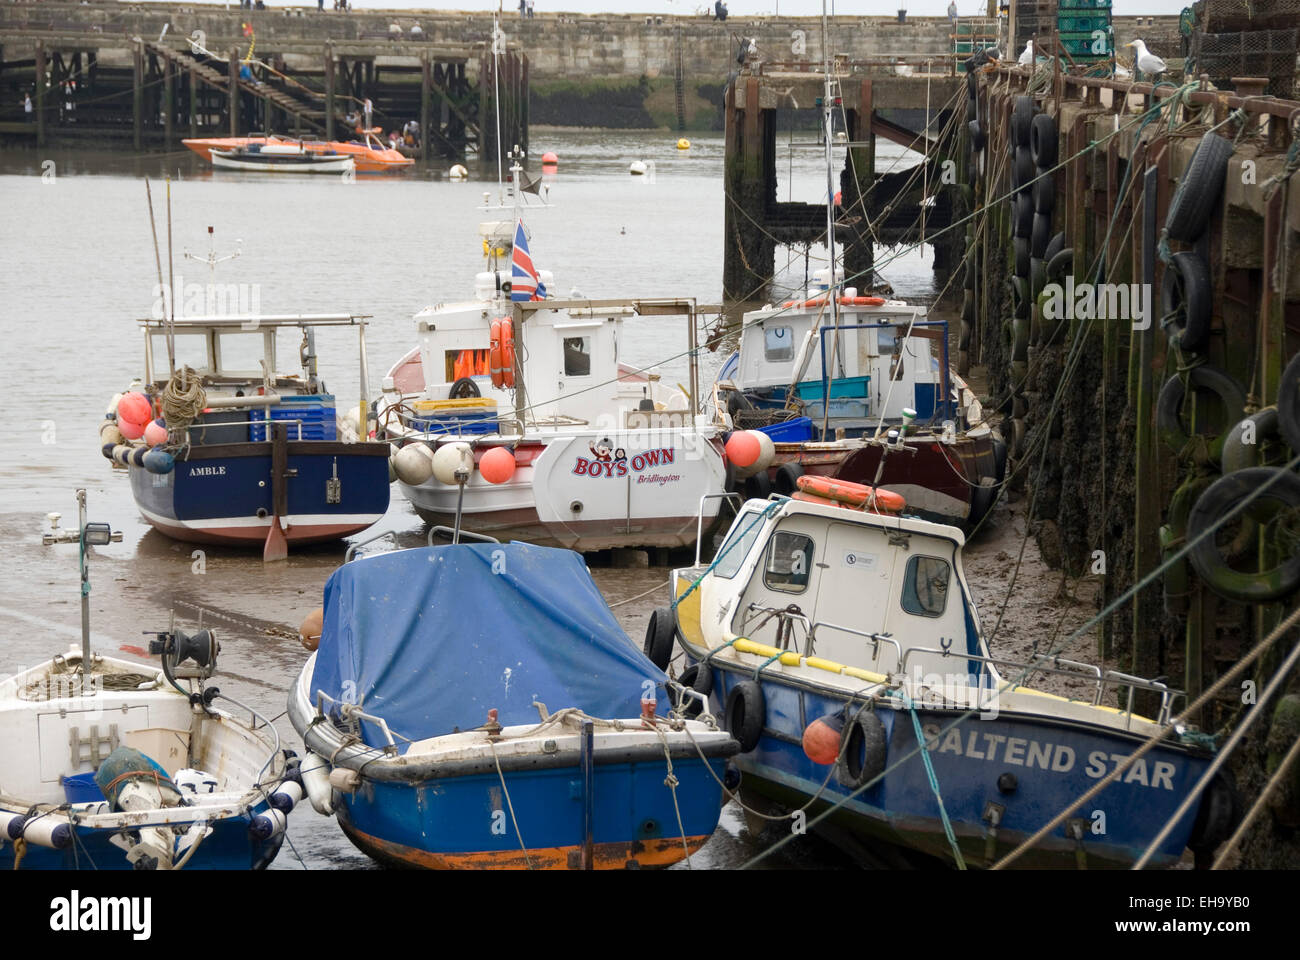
[1027, 57]
[1145, 60]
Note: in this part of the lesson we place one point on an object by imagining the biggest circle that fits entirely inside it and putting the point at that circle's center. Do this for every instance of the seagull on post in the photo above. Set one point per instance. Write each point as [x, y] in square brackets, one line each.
[1145, 60]
[1027, 56]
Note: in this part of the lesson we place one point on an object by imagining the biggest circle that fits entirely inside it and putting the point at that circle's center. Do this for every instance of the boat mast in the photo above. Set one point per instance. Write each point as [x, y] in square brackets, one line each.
[498, 41]
[828, 121]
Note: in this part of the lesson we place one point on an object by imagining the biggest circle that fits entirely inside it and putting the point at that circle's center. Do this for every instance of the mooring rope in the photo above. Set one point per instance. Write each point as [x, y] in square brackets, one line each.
[929, 772]
[183, 399]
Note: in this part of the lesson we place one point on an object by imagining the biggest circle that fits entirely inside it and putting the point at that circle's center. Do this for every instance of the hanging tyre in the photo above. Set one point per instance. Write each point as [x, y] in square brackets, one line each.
[1169, 403]
[1217, 816]
[1043, 142]
[463, 389]
[1059, 263]
[1185, 301]
[660, 633]
[757, 487]
[972, 269]
[1043, 193]
[1198, 191]
[1019, 339]
[1022, 119]
[1054, 246]
[786, 481]
[976, 134]
[1242, 444]
[1288, 405]
[1025, 171]
[1277, 509]
[745, 714]
[699, 678]
[1020, 246]
[1037, 278]
[862, 750]
[1024, 225]
[1040, 234]
[1020, 297]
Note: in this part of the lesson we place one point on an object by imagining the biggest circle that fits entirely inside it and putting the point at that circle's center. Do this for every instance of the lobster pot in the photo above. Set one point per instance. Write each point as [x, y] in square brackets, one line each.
[1223, 16]
[1258, 53]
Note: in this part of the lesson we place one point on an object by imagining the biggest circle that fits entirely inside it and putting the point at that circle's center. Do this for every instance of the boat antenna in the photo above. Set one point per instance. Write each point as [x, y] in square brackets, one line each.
[157, 259]
[86, 535]
[828, 122]
[498, 42]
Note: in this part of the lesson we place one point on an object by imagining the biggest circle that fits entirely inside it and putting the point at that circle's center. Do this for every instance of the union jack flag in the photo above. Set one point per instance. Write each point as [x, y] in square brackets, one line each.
[525, 284]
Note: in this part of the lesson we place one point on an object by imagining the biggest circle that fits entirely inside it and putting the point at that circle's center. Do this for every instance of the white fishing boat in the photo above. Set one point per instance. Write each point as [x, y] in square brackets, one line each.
[281, 158]
[107, 763]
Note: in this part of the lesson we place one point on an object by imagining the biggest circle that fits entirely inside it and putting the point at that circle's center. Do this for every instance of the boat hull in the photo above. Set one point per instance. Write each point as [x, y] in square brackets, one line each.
[309, 164]
[367, 158]
[222, 493]
[465, 823]
[1053, 763]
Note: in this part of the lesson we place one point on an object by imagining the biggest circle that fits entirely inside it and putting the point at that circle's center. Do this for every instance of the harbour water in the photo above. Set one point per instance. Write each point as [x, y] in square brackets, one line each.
[79, 270]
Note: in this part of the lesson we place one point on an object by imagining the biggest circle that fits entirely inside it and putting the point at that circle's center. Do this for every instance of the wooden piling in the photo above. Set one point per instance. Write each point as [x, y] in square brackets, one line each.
[169, 102]
[234, 91]
[329, 92]
[426, 130]
[40, 94]
[137, 99]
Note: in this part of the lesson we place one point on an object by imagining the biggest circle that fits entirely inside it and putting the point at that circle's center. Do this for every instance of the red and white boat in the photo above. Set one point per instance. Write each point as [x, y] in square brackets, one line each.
[368, 153]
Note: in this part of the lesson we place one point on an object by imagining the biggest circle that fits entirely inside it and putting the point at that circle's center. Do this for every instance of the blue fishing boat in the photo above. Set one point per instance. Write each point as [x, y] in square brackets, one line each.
[835, 640]
[223, 449]
[110, 764]
[480, 707]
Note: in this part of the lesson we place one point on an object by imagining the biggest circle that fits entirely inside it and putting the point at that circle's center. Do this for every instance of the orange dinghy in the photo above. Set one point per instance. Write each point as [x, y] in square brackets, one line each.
[842, 493]
[370, 155]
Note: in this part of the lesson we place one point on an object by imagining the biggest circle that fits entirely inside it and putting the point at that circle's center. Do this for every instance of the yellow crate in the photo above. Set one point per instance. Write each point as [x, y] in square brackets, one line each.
[468, 405]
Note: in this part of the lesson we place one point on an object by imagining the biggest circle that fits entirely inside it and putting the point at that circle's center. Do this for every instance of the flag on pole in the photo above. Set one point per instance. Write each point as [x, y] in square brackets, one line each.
[525, 284]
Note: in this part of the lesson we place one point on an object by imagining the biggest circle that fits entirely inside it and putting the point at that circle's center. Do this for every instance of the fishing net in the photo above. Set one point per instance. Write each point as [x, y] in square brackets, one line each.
[1268, 54]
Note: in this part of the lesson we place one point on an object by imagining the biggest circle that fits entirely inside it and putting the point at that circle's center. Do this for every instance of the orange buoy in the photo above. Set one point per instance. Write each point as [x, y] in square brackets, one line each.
[821, 739]
[743, 448]
[309, 630]
[135, 408]
[862, 301]
[507, 352]
[130, 429]
[852, 494]
[497, 465]
[550, 159]
[155, 433]
[494, 356]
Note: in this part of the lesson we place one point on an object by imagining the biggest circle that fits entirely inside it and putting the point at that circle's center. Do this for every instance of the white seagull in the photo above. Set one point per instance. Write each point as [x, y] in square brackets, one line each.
[1027, 57]
[1145, 60]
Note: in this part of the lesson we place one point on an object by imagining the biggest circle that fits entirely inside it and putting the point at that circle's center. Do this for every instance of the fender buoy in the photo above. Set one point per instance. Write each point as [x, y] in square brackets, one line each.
[822, 739]
[745, 714]
[853, 494]
[508, 352]
[862, 752]
[1263, 586]
[494, 356]
[659, 635]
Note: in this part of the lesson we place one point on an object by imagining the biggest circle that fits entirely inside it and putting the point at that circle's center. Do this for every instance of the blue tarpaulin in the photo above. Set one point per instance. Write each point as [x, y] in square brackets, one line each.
[431, 639]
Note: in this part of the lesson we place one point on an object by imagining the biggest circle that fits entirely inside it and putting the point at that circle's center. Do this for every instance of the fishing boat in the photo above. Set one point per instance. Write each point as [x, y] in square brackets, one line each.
[859, 388]
[368, 152]
[281, 158]
[224, 447]
[491, 713]
[835, 634]
[106, 763]
[592, 452]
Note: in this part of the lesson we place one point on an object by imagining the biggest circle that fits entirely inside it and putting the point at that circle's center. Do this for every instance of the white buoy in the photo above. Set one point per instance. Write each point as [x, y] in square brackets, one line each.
[268, 824]
[766, 454]
[286, 796]
[412, 464]
[315, 773]
[344, 780]
[638, 168]
[458, 173]
[451, 458]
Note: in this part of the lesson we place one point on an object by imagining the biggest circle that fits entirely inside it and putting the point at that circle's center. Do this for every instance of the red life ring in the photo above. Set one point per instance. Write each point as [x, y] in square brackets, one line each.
[494, 356]
[846, 493]
[507, 352]
[843, 301]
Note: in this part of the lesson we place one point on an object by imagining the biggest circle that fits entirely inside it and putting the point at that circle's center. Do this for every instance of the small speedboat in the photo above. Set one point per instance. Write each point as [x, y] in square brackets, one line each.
[109, 764]
[281, 158]
[480, 707]
[368, 152]
[839, 640]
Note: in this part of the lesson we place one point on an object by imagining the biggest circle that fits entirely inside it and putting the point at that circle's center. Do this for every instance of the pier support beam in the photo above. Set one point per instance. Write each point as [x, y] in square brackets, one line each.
[426, 130]
[40, 94]
[855, 187]
[137, 61]
[329, 92]
[234, 91]
[195, 100]
[169, 102]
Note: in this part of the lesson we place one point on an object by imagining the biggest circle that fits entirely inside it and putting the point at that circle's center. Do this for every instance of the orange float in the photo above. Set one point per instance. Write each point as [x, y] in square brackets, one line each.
[507, 352]
[843, 493]
[494, 356]
[842, 301]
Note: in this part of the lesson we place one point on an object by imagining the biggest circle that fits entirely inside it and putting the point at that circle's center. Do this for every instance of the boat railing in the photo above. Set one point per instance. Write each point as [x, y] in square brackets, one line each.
[684, 694]
[699, 517]
[451, 534]
[354, 547]
[1074, 669]
[248, 423]
[876, 639]
[275, 750]
[351, 711]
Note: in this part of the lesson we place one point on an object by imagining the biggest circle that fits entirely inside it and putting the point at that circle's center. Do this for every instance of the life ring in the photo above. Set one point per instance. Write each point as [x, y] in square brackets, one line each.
[1288, 404]
[508, 352]
[494, 356]
[1262, 586]
[853, 494]
[842, 301]
[862, 750]
[745, 714]
[660, 633]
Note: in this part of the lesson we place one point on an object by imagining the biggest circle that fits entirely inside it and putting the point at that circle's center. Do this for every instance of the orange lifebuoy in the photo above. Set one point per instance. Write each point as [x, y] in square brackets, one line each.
[507, 352]
[494, 356]
[843, 301]
[844, 492]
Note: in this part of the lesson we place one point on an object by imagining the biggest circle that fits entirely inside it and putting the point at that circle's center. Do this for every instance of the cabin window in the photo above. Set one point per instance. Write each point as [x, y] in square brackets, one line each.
[577, 356]
[743, 534]
[191, 351]
[789, 562]
[925, 586]
[241, 353]
[778, 343]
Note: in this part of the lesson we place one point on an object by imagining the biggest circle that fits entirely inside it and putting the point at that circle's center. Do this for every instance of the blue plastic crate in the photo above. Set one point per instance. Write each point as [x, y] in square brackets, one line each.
[798, 430]
[809, 390]
[316, 411]
[458, 424]
[82, 788]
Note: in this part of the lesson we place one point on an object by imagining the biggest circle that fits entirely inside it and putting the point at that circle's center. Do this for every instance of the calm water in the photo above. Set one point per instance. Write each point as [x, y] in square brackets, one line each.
[78, 269]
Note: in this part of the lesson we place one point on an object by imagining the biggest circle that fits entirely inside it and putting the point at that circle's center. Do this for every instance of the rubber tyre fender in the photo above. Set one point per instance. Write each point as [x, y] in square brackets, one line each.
[1288, 404]
[1020, 297]
[972, 110]
[463, 389]
[1054, 246]
[1058, 263]
[1170, 401]
[1198, 192]
[756, 487]
[1241, 456]
[1020, 339]
[1221, 496]
[1037, 278]
[1020, 246]
[699, 679]
[982, 499]
[1040, 235]
[1025, 171]
[976, 134]
[1217, 815]
[786, 481]
[968, 308]
[1043, 193]
[1022, 121]
[1185, 301]
[745, 714]
[1042, 141]
[863, 748]
[660, 633]
[972, 270]
[1024, 223]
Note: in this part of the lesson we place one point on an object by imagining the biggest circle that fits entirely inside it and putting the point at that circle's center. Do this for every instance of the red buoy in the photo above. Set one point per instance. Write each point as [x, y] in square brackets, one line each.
[821, 739]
